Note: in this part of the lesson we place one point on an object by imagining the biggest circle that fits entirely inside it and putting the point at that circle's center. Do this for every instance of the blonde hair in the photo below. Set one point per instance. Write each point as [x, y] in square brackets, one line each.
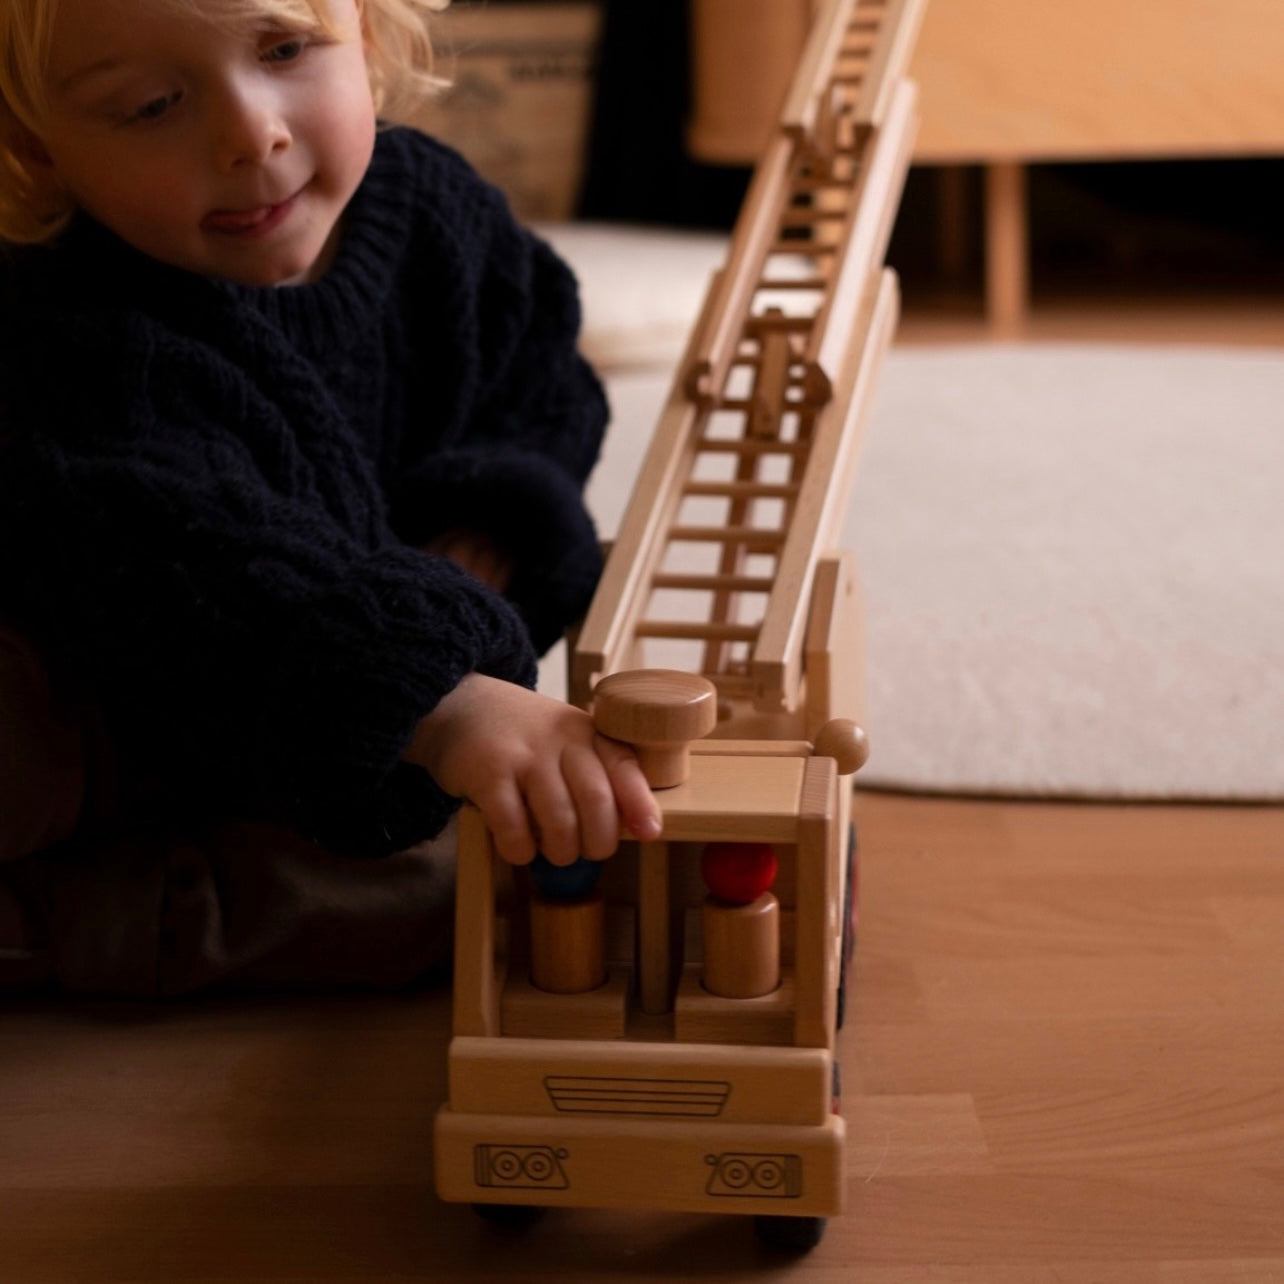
[398, 53]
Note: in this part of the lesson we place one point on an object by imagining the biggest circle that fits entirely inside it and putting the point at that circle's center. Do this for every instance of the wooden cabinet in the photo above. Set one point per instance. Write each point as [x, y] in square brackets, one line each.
[1031, 80]
[1005, 83]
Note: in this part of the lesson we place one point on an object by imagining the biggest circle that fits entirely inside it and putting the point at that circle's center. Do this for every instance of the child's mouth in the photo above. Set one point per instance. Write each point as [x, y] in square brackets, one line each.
[248, 223]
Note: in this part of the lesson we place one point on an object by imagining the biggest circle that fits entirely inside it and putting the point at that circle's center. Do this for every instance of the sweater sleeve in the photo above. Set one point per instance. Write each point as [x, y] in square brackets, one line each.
[527, 424]
[247, 647]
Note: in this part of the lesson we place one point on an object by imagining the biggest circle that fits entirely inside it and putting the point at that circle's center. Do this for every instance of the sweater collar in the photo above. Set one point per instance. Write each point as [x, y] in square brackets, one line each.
[376, 228]
[324, 314]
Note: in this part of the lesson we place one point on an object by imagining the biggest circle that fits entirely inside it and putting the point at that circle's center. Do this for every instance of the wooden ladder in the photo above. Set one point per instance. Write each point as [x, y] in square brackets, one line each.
[749, 471]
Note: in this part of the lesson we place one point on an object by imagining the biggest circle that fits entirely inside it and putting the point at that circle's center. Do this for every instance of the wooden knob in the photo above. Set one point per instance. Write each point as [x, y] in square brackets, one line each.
[659, 712]
[845, 742]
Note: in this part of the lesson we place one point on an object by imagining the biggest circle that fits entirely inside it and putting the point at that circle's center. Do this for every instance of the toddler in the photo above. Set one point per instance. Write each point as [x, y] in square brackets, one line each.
[293, 435]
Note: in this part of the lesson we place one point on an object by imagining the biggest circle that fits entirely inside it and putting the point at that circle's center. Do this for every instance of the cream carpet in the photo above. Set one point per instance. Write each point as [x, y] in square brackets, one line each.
[1073, 562]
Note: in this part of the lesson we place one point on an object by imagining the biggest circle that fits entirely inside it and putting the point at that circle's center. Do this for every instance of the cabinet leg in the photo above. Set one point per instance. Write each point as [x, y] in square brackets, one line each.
[952, 222]
[1007, 247]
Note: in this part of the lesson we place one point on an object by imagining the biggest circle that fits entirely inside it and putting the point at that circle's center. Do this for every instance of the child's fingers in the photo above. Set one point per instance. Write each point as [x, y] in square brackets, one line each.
[633, 797]
[590, 785]
[504, 811]
[553, 813]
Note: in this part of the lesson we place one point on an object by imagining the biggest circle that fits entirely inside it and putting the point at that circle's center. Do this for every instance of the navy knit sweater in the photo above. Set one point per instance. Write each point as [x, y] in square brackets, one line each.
[211, 496]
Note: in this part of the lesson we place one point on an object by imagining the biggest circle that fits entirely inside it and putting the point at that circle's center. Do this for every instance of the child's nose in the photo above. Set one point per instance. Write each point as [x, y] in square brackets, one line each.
[248, 129]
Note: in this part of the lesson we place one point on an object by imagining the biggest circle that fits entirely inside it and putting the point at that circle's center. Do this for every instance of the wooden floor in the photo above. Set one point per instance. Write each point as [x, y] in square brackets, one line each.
[1064, 1061]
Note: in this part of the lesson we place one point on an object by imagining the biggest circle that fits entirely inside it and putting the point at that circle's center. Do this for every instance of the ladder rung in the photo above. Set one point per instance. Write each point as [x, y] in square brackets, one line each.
[753, 537]
[687, 630]
[802, 283]
[714, 583]
[803, 249]
[753, 446]
[742, 489]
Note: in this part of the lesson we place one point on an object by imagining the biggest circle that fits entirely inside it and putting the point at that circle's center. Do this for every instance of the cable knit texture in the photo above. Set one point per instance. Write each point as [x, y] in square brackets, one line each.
[212, 496]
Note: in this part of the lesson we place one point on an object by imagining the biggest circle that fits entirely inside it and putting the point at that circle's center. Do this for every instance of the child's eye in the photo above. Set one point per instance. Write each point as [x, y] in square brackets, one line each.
[290, 50]
[155, 108]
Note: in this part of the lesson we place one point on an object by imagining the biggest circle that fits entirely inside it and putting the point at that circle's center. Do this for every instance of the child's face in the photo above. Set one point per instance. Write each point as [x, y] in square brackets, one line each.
[230, 151]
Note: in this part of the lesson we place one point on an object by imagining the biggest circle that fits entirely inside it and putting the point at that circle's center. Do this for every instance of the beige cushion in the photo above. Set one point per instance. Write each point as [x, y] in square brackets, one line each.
[641, 288]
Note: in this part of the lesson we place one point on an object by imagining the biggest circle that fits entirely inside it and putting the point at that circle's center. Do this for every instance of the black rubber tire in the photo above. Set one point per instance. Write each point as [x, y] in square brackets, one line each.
[793, 1235]
[514, 1217]
[851, 904]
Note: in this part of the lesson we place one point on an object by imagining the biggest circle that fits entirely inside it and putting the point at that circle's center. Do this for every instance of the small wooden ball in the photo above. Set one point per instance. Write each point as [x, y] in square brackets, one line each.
[845, 742]
[738, 873]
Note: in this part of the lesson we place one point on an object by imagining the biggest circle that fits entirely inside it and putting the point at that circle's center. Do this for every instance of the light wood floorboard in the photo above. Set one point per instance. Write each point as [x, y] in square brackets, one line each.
[1064, 1060]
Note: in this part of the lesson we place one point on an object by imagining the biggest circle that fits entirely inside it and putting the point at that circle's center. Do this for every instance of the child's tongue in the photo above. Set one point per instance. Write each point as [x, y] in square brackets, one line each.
[237, 220]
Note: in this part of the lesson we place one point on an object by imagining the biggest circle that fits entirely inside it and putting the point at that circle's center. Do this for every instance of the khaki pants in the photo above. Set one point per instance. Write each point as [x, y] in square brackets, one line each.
[96, 900]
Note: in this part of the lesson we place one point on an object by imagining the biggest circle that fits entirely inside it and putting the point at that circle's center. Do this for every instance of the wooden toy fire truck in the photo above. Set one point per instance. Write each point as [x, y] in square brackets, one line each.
[658, 1031]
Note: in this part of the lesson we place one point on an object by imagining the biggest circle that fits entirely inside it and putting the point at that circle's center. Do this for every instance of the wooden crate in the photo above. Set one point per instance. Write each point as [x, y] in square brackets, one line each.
[520, 97]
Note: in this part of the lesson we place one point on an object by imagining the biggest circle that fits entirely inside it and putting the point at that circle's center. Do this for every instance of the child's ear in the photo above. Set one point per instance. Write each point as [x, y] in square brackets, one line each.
[38, 165]
[26, 146]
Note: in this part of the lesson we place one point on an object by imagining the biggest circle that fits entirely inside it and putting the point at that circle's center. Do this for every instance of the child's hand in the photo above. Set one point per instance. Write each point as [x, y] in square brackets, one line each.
[476, 553]
[542, 777]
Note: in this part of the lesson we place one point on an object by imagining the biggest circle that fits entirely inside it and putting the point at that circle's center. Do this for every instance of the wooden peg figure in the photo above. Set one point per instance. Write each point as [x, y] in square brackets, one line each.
[741, 920]
[568, 932]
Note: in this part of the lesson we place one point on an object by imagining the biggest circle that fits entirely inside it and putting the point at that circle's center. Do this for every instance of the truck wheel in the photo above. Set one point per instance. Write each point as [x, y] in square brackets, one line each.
[789, 1234]
[851, 911]
[514, 1217]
